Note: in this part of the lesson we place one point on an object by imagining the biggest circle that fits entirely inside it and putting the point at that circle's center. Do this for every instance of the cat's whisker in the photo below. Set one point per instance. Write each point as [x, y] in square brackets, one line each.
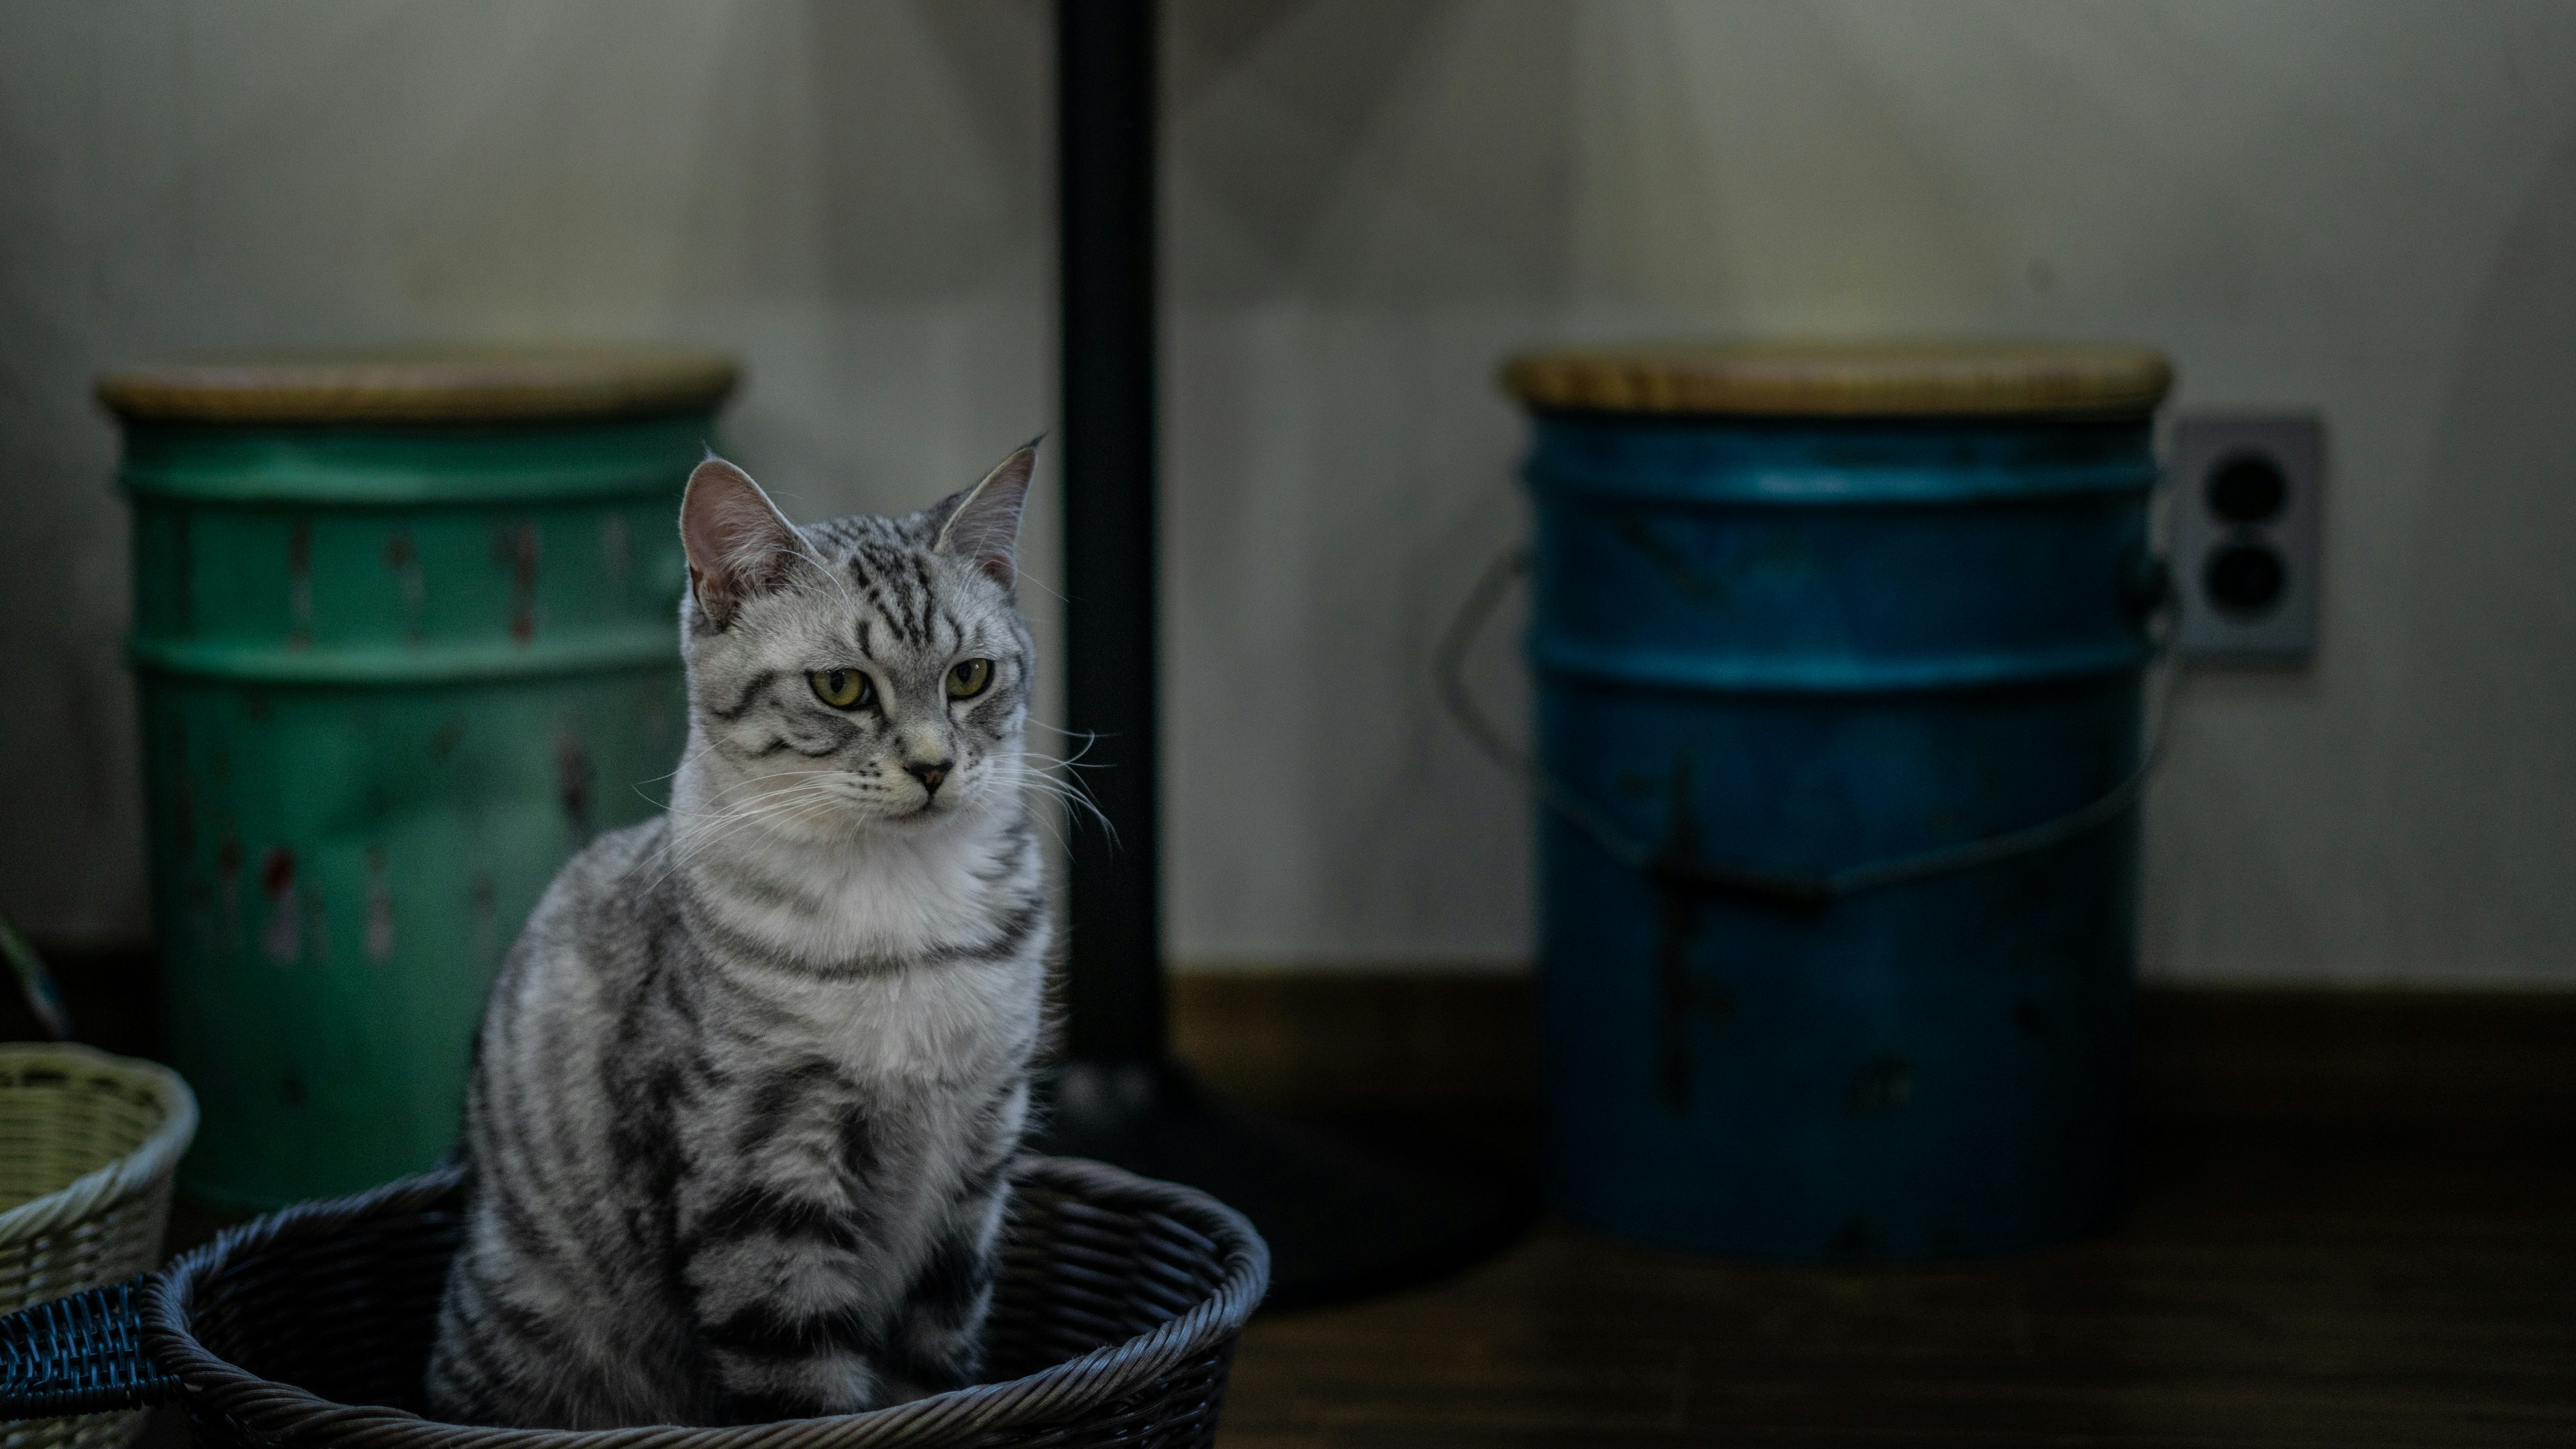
[742, 808]
[761, 788]
[691, 758]
[680, 853]
[774, 776]
[1088, 737]
[1069, 793]
[1073, 762]
[1076, 806]
[1024, 576]
[1053, 763]
[1046, 820]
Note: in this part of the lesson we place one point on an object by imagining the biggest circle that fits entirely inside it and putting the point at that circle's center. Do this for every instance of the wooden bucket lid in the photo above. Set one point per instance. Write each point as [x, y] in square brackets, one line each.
[1846, 379]
[424, 385]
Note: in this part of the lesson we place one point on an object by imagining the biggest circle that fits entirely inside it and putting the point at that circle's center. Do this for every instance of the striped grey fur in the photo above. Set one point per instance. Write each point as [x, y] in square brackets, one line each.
[748, 1084]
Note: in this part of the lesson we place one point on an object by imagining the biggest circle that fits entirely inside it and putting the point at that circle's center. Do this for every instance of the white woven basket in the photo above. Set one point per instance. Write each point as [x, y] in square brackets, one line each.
[88, 1143]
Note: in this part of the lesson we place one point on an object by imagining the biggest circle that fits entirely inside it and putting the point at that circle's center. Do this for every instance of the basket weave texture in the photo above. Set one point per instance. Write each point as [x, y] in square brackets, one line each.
[88, 1143]
[1114, 1322]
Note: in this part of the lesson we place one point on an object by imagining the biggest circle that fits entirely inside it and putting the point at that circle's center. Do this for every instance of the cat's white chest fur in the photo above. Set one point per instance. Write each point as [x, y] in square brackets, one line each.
[947, 1023]
[895, 897]
[843, 991]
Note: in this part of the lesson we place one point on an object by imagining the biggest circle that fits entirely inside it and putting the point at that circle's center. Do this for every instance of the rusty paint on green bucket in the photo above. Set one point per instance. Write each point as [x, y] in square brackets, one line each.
[391, 677]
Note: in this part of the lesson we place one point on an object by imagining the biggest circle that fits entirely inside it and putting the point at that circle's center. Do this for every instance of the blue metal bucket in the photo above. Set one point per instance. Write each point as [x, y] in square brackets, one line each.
[1841, 723]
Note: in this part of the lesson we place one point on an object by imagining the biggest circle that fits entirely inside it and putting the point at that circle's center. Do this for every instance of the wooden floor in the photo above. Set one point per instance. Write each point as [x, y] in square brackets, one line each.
[2267, 1289]
[2346, 1231]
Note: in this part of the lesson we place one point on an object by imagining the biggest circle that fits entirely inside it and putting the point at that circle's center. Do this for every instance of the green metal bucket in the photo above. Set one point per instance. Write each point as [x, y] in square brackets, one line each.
[405, 638]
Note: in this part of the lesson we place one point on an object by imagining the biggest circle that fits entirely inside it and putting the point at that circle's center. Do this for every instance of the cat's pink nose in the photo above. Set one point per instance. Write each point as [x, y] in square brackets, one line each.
[929, 773]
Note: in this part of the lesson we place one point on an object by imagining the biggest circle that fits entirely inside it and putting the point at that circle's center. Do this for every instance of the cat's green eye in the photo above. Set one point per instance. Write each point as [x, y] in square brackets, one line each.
[841, 688]
[967, 678]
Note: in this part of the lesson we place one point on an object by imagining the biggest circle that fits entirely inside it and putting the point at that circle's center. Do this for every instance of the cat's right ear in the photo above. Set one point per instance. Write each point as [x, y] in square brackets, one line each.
[739, 544]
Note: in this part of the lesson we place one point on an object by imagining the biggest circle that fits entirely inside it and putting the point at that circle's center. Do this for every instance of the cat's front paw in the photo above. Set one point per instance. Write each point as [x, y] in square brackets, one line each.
[827, 1383]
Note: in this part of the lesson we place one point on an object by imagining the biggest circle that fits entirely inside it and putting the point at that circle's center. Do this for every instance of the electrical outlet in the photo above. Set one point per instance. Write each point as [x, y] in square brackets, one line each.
[2246, 508]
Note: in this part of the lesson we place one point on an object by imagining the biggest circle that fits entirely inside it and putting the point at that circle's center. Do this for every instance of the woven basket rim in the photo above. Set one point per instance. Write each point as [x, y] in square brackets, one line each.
[130, 1175]
[272, 1409]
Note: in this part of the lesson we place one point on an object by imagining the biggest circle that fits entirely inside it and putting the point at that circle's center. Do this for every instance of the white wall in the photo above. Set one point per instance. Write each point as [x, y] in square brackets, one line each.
[2365, 207]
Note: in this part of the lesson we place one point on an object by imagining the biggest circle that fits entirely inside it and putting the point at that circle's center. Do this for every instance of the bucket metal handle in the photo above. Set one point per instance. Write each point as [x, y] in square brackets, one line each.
[1806, 893]
[80, 1355]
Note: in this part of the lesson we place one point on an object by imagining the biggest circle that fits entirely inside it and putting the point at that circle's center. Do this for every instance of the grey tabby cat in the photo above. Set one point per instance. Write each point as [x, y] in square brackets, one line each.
[748, 1085]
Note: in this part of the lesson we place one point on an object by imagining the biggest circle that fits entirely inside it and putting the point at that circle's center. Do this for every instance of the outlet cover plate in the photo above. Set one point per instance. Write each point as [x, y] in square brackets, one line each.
[2206, 542]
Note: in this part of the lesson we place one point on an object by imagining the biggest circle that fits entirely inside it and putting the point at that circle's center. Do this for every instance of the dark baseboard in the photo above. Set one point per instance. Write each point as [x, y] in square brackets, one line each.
[1290, 1040]
[2383, 1055]
[1324, 1041]
[1460, 1041]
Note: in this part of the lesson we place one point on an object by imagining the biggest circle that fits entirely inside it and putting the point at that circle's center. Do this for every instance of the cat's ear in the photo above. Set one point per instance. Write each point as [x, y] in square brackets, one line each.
[739, 544]
[982, 524]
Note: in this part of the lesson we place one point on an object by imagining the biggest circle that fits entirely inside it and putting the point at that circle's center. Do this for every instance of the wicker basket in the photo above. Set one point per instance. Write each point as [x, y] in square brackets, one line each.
[87, 1145]
[1114, 1323]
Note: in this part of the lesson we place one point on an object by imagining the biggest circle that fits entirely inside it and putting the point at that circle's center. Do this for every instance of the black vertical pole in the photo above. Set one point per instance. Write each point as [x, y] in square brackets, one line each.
[1106, 98]
[1342, 1218]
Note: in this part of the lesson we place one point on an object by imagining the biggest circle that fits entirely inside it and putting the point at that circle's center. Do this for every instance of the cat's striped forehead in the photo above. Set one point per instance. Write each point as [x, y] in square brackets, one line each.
[911, 595]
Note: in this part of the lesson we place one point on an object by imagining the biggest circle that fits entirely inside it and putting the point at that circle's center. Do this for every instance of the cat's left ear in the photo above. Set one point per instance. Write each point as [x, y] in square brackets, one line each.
[982, 524]
[738, 543]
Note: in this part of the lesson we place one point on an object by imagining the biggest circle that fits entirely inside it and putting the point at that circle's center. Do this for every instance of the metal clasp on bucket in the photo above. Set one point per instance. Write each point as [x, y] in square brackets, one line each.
[1805, 893]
